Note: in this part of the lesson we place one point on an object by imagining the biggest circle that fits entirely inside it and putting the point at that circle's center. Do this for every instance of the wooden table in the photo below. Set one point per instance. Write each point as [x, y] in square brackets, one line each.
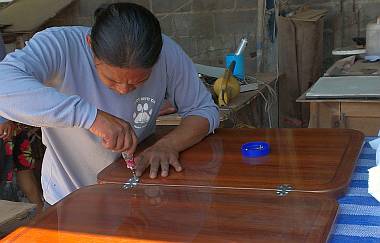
[107, 213]
[308, 160]
[219, 197]
[360, 114]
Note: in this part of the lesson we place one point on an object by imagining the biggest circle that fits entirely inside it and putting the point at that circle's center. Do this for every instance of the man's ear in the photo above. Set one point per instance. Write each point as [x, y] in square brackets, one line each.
[88, 40]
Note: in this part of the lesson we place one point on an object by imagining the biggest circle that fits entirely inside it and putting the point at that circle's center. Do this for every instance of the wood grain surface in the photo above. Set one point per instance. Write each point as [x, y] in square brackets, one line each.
[107, 213]
[310, 160]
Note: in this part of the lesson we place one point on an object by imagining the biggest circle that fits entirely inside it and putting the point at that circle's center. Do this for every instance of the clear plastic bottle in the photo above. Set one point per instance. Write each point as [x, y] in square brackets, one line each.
[242, 45]
[373, 40]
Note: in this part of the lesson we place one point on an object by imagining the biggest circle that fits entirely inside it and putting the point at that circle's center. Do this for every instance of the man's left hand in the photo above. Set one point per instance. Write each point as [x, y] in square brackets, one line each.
[6, 130]
[160, 155]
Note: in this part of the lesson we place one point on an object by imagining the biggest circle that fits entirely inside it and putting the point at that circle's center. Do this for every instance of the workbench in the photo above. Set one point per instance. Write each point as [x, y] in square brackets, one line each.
[247, 108]
[362, 113]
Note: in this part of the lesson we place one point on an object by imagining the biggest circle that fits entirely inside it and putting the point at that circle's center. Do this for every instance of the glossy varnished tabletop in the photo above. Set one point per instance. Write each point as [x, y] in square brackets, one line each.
[309, 160]
[107, 213]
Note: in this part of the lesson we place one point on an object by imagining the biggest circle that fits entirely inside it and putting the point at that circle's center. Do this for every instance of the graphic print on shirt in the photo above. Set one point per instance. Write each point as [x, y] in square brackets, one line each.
[143, 113]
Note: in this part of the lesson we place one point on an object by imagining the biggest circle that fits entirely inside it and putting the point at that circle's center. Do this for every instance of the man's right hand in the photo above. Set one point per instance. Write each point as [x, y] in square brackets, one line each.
[117, 134]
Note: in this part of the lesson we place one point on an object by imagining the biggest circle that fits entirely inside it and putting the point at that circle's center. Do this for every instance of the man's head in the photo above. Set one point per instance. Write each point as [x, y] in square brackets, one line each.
[126, 41]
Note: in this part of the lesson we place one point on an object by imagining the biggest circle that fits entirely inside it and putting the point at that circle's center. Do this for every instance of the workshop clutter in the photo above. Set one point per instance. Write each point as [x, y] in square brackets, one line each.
[227, 86]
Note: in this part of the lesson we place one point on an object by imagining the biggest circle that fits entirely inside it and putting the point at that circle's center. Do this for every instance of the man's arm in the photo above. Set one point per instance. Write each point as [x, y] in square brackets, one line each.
[25, 98]
[185, 90]
[191, 131]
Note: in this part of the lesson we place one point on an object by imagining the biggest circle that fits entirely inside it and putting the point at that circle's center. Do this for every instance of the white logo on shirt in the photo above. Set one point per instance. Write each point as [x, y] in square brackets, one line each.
[144, 110]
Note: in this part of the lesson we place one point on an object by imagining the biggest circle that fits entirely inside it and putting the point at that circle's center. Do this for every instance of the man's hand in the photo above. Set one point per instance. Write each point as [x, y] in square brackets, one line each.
[7, 130]
[159, 155]
[117, 134]
[166, 151]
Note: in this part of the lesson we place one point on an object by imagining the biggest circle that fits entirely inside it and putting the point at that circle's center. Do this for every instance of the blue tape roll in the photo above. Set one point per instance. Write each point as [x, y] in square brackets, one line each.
[255, 149]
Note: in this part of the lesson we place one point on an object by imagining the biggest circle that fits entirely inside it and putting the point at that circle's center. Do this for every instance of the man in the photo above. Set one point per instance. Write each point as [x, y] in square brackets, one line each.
[97, 92]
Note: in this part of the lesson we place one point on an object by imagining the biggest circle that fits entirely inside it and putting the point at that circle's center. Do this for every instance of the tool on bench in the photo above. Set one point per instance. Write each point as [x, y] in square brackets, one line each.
[255, 149]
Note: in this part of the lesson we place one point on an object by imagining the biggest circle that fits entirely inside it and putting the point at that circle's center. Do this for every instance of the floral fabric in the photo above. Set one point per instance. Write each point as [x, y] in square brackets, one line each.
[15, 154]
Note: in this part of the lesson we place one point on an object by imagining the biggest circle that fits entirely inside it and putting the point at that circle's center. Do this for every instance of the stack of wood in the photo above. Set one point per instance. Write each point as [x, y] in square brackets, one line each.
[13, 215]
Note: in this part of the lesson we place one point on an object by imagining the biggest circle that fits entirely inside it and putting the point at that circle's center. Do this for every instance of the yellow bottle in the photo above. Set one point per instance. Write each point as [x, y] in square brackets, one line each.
[227, 87]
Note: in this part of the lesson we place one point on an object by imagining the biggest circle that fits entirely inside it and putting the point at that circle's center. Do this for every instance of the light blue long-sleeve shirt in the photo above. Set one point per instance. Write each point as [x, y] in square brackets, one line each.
[53, 83]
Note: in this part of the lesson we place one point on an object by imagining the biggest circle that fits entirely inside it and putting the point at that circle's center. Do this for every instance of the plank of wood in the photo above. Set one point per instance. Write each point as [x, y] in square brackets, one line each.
[300, 48]
[361, 110]
[309, 15]
[317, 160]
[329, 115]
[368, 125]
[169, 120]
[351, 87]
[25, 16]
[314, 115]
[11, 211]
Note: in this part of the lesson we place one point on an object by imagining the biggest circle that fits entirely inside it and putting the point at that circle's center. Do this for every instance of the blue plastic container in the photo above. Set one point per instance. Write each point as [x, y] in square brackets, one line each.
[239, 71]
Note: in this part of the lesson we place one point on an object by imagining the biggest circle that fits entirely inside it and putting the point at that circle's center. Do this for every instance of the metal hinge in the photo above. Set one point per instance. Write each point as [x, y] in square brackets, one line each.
[131, 183]
[283, 190]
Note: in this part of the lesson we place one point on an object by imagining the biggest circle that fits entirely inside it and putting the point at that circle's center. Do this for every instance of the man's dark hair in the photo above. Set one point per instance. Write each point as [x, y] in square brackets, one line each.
[126, 35]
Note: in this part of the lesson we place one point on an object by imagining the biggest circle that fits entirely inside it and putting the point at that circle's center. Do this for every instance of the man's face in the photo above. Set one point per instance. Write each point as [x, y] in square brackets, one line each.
[121, 80]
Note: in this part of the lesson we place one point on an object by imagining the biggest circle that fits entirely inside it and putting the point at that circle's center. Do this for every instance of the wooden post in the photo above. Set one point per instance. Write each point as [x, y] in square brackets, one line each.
[314, 115]
[260, 34]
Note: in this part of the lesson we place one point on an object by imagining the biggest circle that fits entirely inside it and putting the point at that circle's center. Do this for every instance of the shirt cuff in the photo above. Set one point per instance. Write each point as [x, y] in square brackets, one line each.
[93, 111]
